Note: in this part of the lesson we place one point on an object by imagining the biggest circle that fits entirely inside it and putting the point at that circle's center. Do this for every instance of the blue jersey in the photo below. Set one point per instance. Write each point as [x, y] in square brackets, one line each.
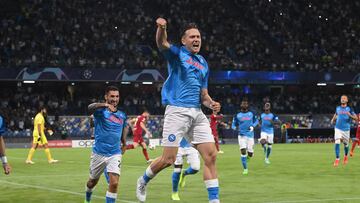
[108, 131]
[343, 121]
[244, 120]
[2, 125]
[184, 143]
[267, 120]
[188, 74]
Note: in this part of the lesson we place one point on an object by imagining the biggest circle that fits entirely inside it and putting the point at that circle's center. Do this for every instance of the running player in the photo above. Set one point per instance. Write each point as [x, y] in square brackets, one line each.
[357, 139]
[343, 117]
[214, 122]
[267, 121]
[183, 92]
[39, 137]
[110, 129]
[245, 122]
[140, 126]
[5, 164]
[178, 176]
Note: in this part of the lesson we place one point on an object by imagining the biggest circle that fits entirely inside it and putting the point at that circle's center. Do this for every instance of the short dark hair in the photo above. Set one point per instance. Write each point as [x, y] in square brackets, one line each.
[111, 88]
[188, 26]
[41, 107]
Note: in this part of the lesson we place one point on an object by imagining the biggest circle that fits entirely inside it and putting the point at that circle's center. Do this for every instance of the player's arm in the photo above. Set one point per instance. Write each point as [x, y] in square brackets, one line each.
[334, 118]
[161, 34]
[352, 115]
[234, 123]
[255, 123]
[142, 125]
[208, 102]
[94, 106]
[6, 166]
[125, 132]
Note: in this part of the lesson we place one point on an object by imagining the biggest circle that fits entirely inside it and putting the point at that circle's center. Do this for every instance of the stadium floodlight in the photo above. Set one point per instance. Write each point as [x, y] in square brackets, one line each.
[125, 83]
[147, 83]
[321, 84]
[339, 84]
[29, 81]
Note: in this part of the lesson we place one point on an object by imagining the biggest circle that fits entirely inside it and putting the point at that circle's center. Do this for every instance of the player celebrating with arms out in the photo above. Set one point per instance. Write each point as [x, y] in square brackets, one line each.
[110, 128]
[183, 92]
[267, 120]
[245, 122]
[138, 134]
[343, 117]
[357, 139]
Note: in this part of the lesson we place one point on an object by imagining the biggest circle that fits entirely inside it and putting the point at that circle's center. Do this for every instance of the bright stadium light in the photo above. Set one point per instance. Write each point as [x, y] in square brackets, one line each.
[125, 83]
[321, 84]
[29, 81]
[339, 84]
[147, 83]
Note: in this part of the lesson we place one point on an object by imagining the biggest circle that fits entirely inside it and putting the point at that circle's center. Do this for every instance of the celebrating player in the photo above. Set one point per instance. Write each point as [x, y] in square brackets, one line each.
[138, 134]
[178, 177]
[110, 128]
[6, 165]
[245, 122]
[267, 120]
[214, 122]
[343, 117]
[182, 92]
[39, 137]
[357, 139]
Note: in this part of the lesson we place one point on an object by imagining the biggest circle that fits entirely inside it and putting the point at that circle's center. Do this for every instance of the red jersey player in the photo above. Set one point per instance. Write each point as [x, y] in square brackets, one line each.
[214, 121]
[357, 139]
[139, 127]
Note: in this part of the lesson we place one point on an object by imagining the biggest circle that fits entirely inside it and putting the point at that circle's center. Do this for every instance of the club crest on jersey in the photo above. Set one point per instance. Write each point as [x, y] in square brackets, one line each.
[172, 138]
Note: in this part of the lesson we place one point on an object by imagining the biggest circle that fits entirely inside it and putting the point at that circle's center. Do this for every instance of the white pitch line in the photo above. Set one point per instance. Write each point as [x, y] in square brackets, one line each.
[58, 190]
[318, 200]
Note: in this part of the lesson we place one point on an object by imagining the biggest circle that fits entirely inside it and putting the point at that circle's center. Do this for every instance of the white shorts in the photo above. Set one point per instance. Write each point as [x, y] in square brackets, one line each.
[192, 156]
[99, 162]
[269, 137]
[340, 134]
[246, 143]
[190, 123]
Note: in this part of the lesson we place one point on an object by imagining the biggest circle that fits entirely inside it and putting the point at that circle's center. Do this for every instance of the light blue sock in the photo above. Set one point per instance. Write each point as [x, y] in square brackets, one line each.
[346, 149]
[213, 189]
[175, 181]
[243, 161]
[111, 197]
[190, 171]
[268, 151]
[337, 151]
[107, 178]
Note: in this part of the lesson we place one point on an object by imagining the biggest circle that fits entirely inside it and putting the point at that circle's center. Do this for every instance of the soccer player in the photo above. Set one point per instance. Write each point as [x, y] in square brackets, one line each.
[357, 139]
[245, 122]
[6, 165]
[178, 176]
[214, 121]
[267, 121]
[110, 129]
[343, 117]
[39, 137]
[183, 92]
[138, 135]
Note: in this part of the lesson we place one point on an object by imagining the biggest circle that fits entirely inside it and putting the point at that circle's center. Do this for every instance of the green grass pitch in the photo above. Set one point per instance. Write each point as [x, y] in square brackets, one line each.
[298, 173]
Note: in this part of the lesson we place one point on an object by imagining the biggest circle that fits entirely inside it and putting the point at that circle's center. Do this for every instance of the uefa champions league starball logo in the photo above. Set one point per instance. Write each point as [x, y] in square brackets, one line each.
[87, 74]
[172, 138]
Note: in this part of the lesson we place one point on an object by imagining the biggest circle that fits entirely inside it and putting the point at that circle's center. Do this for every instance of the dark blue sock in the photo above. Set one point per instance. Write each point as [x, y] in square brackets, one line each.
[268, 151]
[346, 149]
[213, 193]
[337, 151]
[146, 178]
[110, 200]
[264, 148]
[190, 171]
[243, 161]
[88, 196]
[175, 181]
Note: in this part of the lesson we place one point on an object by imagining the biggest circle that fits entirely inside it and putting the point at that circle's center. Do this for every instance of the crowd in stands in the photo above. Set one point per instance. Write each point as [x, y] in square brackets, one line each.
[268, 35]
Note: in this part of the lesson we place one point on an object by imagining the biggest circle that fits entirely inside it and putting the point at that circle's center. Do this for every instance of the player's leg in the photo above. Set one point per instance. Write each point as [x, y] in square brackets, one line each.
[44, 142]
[353, 146]
[32, 151]
[346, 139]
[113, 168]
[193, 160]
[176, 175]
[144, 150]
[133, 145]
[270, 141]
[243, 159]
[204, 142]
[337, 138]
[263, 141]
[216, 139]
[97, 166]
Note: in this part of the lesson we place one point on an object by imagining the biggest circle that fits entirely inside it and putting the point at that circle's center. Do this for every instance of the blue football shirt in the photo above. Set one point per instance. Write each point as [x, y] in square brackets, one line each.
[244, 120]
[266, 122]
[343, 121]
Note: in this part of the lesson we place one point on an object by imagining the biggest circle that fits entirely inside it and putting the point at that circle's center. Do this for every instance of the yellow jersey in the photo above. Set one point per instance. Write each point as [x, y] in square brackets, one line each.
[39, 119]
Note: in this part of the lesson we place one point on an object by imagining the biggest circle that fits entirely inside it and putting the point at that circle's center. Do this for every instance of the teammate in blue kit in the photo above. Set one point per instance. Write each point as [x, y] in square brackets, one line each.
[5, 164]
[183, 92]
[110, 128]
[343, 117]
[245, 122]
[178, 176]
[267, 121]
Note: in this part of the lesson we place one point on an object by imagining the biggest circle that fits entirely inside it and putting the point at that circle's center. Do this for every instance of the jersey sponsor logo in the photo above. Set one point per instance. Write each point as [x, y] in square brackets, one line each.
[194, 63]
[116, 120]
[343, 112]
[172, 138]
[245, 118]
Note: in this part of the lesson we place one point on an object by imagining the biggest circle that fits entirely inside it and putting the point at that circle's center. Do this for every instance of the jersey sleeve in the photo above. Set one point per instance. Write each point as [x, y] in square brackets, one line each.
[255, 120]
[171, 53]
[352, 112]
[235, 123]
[2, 126]
[98, 112]
[275, 117]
